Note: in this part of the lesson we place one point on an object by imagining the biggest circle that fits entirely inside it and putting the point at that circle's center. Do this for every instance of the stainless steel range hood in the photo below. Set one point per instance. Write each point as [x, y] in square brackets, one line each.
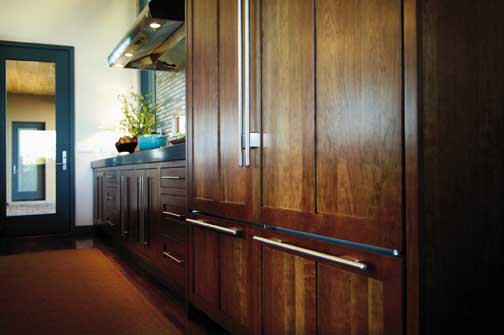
[156, 41]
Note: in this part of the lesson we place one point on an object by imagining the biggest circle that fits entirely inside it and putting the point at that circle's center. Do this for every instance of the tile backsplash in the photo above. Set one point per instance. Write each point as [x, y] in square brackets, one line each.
[170, 96]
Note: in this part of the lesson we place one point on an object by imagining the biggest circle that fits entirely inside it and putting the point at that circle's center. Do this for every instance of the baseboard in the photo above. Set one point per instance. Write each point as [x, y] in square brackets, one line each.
[82, 230]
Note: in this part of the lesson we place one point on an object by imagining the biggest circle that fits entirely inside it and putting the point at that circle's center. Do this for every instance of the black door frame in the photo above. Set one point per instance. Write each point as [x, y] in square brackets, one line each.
[16, 194]
[27, 221]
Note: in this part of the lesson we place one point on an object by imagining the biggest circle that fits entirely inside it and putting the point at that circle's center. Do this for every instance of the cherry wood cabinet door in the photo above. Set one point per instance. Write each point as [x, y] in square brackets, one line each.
[131, 209]
[152, 209]
[217, 185]
[220, 275]
[331, 78]
[304, 294]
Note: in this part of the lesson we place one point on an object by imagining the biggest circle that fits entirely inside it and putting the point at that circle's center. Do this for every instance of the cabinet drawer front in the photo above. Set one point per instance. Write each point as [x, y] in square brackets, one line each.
[328, 296]
[174, 201]
[174, 228]
[111, 207]
[173, 177]
[172, 259]
[180, 192]
[111, 177]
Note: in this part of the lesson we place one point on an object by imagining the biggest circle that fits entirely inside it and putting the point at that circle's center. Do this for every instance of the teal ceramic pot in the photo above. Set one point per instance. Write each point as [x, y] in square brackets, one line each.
[146, 142]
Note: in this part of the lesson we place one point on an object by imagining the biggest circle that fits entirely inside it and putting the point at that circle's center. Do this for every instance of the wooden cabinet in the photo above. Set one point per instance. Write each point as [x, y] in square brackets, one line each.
[217, 183]
[306, 290]
[332, 118]
[111, 207]
[139, 207]
[320, 85]
[142, 207]
[220, 282]
[169, 232]
[324, 88]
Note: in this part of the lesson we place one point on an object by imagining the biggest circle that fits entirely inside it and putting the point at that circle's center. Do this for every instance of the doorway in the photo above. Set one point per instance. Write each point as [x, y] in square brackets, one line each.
[36, 144]
[28, 176]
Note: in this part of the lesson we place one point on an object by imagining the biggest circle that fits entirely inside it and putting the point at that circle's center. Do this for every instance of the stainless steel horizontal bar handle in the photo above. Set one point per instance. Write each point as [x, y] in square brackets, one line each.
[335, 259]
[171, 177]
[173, 258]
[172, 214]
[231, 231]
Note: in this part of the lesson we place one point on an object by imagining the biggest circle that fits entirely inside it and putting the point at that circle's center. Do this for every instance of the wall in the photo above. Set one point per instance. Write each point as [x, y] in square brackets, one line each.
[35, 108]
[170, 96]
[93, 28]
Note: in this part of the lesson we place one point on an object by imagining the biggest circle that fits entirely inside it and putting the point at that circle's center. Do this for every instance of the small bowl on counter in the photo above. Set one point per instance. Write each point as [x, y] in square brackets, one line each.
[147, 142]
[126, 147]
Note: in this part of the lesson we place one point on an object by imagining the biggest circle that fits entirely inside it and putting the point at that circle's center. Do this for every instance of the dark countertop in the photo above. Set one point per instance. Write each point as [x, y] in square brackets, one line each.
[171, 153]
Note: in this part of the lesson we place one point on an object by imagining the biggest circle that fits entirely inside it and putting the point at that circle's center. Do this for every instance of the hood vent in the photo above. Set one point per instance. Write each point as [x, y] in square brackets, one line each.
[156, 41]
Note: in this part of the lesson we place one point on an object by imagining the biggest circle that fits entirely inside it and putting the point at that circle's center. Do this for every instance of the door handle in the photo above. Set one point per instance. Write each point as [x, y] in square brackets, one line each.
[231, 231]
[247, 139]
[14, 169]
[63, 163]
[339, 260]
[173, 258]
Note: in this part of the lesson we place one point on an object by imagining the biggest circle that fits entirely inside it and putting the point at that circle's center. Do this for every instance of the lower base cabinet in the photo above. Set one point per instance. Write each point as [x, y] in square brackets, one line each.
[264, 282]
[130, 208]
[220, 271]
[304, 291]
[248, 279]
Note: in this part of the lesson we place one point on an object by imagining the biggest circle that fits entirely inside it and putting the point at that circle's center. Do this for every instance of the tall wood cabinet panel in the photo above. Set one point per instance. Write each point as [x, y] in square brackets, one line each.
[331, 118]
[288, 104]
[462, 154]
[217, 183]
[205, 100]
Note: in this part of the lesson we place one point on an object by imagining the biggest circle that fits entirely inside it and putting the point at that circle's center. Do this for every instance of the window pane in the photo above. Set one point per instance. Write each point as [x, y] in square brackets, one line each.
[31, 138]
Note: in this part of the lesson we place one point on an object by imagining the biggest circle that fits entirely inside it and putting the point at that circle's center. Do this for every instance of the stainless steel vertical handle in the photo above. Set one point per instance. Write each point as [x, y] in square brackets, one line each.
[123, 203]
[240, 83]
[247, 82]
[148, 207]
[141, 205]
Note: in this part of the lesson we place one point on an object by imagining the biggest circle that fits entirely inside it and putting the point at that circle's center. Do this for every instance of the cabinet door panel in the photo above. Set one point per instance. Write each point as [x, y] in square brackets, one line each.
[152, 208]
[133, 213]
[359, 112]
[303, 293]
[289, 294]
[233, 180]
[234, 284]
[332, 118]
[205, 100]
[205, 265]
[288, 104]
[217, 184]
[349, 303]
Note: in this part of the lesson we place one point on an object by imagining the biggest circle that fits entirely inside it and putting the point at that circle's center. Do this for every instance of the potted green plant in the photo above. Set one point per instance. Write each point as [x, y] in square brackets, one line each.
[140, 120]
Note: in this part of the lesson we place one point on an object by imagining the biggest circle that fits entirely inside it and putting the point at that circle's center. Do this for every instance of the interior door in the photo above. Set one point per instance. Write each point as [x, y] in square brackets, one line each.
[35, 123]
